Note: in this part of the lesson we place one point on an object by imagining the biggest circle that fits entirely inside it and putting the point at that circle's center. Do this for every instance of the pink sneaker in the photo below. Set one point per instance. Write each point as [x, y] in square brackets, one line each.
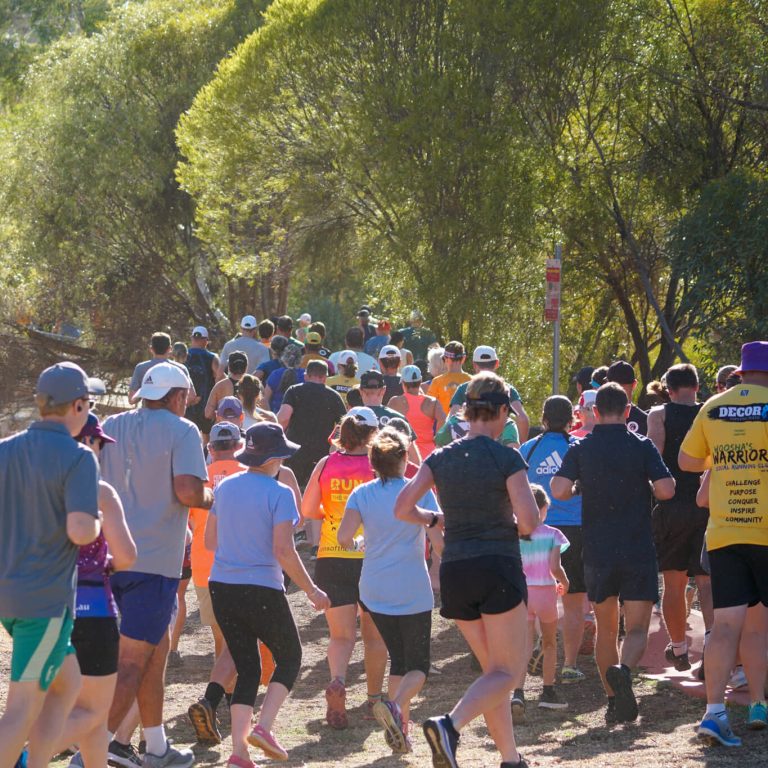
[239, 762]
[267, 743]
[336, 712]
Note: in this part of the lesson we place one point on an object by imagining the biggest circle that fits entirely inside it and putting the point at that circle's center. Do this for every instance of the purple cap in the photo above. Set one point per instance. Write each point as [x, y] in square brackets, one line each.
[754, 357]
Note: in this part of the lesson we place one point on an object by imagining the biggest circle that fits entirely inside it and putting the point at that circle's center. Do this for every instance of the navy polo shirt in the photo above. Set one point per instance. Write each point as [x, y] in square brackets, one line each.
[614, 466]
[44, 475]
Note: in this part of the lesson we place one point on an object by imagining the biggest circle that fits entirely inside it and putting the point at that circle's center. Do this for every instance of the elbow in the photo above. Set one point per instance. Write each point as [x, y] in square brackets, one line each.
[81, 535]
[124, 560]
[282, 553]
[345, 541]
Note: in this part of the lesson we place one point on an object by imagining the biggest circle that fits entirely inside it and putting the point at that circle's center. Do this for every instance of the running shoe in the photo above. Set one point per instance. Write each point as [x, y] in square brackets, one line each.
[570, 675]
[175, 660]
[123, 755]
[587, 647]
[336, 711]
[550, 700]
[738, 678]
[369, 705]
[239, 762]
[757, 719]
[536, 662]
[610, 712]
[520, 764]
[680, 663]
[267, 743]
[620, 679]
[717, 730]
[518, 706]
[172, 758]
[22, 760]
[443, 741]
[203, 718]
[76, 761]
[389, 717]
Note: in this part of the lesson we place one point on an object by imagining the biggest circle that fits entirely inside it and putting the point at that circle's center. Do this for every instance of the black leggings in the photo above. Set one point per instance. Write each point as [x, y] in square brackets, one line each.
[247, 613]
[407, 640]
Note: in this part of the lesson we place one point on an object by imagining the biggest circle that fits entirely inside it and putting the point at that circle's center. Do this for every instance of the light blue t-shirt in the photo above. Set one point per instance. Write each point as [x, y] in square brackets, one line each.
[544, 455]
[248, 506]
[394, 579]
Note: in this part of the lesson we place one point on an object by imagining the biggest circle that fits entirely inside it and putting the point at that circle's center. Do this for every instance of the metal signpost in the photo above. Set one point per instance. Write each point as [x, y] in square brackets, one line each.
[552, 311]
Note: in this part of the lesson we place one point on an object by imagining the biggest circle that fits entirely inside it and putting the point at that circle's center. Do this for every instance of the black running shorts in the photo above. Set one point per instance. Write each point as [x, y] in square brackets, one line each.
[628, 580]
[571, 559]
[96, 641]
[739, 575]
[339, 578]
[678, 532]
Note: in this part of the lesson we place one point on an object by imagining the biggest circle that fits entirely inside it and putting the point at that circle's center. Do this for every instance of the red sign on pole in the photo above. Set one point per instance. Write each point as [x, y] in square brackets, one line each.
[552, 298]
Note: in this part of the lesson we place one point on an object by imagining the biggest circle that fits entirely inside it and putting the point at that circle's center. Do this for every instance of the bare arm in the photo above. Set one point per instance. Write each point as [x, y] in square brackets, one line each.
[523, 504]
[121, 544]
[656, 431]
[438, 414]
[82, 528]
[664, 489]
[556, 568]
[191, 491]
[285, 553]
[436, 539]
[561, 488]
[398, 403]
[414, 454]
[702, 495]
[211, 539]
[349, 525]
[286, 477]
[284, 415]
[523, 422]
[405, 506]
[311, 508]
[690, 463]
[213, 399]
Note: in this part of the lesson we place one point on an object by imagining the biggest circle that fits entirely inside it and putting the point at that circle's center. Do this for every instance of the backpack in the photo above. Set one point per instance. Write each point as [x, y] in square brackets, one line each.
[201, 372]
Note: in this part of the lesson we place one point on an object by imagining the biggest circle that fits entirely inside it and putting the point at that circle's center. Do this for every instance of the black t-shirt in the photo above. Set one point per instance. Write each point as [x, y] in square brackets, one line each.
[471, 480]
[678, 419]
[316, 410]
[394, 386]
[613, 467]
[637, 421]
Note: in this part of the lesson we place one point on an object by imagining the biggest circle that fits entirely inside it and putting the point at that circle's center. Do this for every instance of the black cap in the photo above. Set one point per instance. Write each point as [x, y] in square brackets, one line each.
[621, 372]
[584, 376]
[372, 380]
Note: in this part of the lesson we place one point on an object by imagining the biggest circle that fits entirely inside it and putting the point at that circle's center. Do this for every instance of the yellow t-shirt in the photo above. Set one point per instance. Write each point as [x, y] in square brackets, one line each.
[731, 430]
[445, 385]
[342, 384]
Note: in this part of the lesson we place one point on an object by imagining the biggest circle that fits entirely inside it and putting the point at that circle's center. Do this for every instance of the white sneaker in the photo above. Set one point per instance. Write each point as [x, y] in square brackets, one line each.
[173, 758]
[738, 678]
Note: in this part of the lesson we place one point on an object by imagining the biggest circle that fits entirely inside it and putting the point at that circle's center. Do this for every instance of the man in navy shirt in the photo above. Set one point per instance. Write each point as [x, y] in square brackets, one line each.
[613, 468]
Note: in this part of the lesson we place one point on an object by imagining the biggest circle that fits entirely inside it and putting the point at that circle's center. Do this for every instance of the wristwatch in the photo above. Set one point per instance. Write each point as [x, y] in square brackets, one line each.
[434, 520]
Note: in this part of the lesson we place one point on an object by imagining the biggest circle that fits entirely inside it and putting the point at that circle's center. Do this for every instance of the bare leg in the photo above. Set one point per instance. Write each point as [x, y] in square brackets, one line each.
[606, 639]
[132, 663]
[549, 646]
[342, 625]
[573, 626]
[704, 585]
[375, 656]
[721, 650]
[673, 604]
[241, 726]
[637, 619]
[409, 685]
[276, 694]
[128, 726]
[754, 648]
[181, 616]
[151, 693]
[22, 707]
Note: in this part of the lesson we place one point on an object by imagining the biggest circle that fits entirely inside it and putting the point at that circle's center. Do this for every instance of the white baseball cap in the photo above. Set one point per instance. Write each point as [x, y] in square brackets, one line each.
[588, 398]
[389, 350]
[199, 332]
[411, 374]
[305, 317]
[346, 356]
[364, 415]
[248, 322]
[159, 380]
[483, 354]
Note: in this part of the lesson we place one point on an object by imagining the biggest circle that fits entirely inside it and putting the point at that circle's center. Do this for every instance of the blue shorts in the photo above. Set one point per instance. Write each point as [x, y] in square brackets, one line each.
[146, 603]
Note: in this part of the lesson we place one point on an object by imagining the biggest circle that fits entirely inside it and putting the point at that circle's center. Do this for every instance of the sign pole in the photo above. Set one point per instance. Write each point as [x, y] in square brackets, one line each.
[552, 311]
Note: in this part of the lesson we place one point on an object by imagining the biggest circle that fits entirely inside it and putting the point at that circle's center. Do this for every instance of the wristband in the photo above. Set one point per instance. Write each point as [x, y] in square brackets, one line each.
[435, 518]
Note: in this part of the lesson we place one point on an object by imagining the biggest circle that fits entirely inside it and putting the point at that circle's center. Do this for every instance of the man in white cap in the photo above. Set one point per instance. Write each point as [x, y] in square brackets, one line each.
[203, 367]
[389, 363]
[246, 341]
[161, 347]
[48, 509]
[305, 320]
[484, 358]
[158, 469]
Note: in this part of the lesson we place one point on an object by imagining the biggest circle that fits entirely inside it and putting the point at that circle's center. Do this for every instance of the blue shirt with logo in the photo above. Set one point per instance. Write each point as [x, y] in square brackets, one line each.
[544, 455]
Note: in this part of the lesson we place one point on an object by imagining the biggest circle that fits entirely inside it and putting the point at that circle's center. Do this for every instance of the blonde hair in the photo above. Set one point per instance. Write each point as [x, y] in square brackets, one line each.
[387, 451]
[47, 408]
[480, 384]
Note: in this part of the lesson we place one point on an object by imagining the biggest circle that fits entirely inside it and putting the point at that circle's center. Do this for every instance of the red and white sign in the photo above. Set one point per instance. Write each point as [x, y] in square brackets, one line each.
[552, 297]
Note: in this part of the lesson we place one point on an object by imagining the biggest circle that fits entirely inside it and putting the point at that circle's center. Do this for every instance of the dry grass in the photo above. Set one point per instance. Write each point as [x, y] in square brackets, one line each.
[663, 737]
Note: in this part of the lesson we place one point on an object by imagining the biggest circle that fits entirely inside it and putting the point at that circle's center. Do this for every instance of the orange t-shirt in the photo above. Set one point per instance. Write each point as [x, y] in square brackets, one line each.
[202, 558]
[445, 385]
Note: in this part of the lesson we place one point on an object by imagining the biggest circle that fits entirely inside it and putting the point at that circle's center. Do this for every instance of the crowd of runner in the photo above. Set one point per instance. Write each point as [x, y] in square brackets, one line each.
[407, 478]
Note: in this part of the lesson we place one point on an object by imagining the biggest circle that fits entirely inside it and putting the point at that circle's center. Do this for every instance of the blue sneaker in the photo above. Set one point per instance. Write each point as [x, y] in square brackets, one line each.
[757, 720]
[718, 730]
[22, 761]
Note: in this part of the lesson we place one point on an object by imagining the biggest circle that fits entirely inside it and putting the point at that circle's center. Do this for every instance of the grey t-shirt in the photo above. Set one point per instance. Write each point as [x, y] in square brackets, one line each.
[153, 446]
[256, 352]
[44, 475]
[141, 369]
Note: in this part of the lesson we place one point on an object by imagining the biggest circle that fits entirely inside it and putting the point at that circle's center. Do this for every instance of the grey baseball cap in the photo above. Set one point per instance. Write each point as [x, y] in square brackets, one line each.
[66, 382]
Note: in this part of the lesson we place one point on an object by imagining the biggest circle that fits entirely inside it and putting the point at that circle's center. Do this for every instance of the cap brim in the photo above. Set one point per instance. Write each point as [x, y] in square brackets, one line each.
[96, 386]
[151, 392]
[256, 460]
[106, 438]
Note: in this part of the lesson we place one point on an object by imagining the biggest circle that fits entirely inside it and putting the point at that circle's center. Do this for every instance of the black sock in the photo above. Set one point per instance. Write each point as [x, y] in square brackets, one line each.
[512, 765]
[549, 689]
[214, 693]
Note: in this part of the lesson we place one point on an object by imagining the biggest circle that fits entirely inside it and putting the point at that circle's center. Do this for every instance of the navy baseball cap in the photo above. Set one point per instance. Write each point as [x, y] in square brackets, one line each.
[66, 382]
[265, 441]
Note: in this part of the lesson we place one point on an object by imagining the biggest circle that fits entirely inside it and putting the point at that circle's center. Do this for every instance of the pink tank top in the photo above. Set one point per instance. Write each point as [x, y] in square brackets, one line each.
[423, 425]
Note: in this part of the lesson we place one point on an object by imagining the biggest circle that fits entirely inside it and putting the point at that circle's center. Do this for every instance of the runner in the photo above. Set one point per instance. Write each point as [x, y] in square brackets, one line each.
[546, 579]
[249, 392]
[721, 378]
[423, 413]
[585, 411]
[353, 340]
[614, 467]
[729, 435]
[247, 343]
[203, 368]
[229, 385]
[418, 338]
[49, 491]
[305, 320]
[266, 329]
[395, 590]
[288, 374]
[389, 364]
[161, 348]
[624, 374]
[179, 352]
[95, 635]
[225, 440]
[368, 329]
[284, 327]
[381, 339]
[250, 528]
[396, 339]
[444, 386]
[276, 348]
[167, 475]
[544, 455]
[337, 571]
[314, 350]
[309, 413]
[346, 379]
[679, 524]
[487, 503]
[485, 359]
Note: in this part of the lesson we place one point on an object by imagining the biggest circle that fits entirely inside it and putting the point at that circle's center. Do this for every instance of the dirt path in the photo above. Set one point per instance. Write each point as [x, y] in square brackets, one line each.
[663, 737]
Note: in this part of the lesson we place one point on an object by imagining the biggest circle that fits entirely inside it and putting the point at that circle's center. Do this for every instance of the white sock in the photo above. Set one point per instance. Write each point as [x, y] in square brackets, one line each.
[679, 648]
[716, 710]
[156, 741]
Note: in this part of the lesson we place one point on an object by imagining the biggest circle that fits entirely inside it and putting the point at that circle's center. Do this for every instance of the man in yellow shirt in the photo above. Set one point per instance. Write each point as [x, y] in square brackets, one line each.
[443, 386]
[730, 438]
